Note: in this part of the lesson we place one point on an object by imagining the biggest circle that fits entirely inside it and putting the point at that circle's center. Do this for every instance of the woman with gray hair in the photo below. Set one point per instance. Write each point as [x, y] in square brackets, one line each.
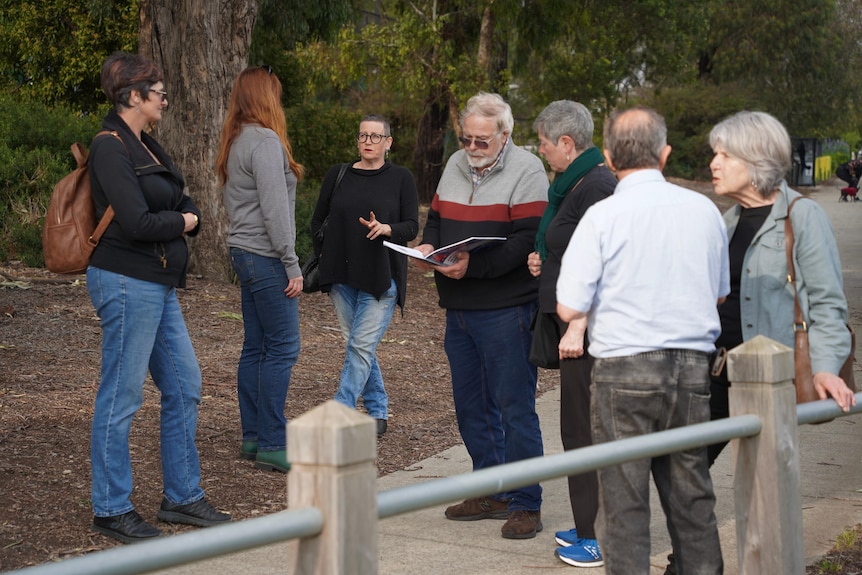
[752, 154]
[565, 130]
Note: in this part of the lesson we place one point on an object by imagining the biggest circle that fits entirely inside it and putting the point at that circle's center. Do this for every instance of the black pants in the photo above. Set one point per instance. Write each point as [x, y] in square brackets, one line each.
[575, 431]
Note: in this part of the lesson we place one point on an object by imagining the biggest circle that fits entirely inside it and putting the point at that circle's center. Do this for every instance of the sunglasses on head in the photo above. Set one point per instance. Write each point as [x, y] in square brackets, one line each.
[267, 67]
[480, 144]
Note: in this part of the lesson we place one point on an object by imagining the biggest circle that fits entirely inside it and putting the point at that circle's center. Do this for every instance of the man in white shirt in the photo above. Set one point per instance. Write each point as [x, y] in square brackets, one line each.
[645, 269]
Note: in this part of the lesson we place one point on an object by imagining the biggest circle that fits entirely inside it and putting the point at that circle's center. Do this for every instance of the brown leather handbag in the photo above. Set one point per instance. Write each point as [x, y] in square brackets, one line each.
[804, 378]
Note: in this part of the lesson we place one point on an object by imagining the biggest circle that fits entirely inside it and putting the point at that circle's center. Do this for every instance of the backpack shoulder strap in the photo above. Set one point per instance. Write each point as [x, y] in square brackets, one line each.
[109, 213]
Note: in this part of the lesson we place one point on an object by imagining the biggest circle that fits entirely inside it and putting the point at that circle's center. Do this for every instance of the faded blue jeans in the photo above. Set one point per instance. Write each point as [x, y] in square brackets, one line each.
[142, 329]
[494, 389]
[363, 320]
[270, 348]
[634, 396]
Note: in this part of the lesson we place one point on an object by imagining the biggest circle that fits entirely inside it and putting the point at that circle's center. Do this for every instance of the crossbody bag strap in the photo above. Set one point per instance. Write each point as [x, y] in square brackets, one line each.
[798, 319]
[318, 237]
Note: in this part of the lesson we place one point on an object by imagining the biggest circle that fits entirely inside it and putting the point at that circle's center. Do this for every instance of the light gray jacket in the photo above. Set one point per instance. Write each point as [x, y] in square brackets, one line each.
[260, 198]
[766, 297]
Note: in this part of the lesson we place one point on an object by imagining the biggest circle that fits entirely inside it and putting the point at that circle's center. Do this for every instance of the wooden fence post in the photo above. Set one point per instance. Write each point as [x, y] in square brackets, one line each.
[332, 449]
[768, 502]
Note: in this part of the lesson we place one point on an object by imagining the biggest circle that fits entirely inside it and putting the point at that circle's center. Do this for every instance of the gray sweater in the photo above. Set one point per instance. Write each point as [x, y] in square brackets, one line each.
[260, 196]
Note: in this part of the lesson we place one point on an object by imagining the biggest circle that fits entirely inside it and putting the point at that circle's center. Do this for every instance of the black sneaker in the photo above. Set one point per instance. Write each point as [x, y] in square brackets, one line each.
[199, 513]
[128, 527]
[381, 426]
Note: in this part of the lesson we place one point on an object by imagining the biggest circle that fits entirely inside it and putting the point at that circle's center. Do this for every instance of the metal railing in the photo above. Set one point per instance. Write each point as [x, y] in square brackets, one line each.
[308, 522]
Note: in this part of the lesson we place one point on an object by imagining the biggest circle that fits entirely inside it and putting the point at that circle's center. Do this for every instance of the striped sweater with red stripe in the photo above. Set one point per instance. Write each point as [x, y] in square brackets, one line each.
[508, 201]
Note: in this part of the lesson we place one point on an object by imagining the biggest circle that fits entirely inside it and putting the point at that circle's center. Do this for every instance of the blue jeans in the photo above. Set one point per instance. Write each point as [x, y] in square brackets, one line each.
[270, 348]
[633, 396]
[142, 328]
[363, 320]
[494, 389]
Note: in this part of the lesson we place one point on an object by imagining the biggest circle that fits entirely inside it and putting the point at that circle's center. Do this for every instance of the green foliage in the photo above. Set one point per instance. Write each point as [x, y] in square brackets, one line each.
[321, 136]
[399, 60]
[278, 31]
[34, 155]
[53, 50]
[306, 200]
[796, 54]
[599, 51]
[690, 113]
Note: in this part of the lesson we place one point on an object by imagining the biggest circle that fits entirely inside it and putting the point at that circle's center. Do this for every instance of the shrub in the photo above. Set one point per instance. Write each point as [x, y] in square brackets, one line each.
[34, 155]
[322, 136]
[690, 113]
[306, 200]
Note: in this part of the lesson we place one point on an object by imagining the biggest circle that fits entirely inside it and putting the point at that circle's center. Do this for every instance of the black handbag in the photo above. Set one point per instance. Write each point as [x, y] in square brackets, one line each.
[311, 274]
[545, 348]
[311, 267]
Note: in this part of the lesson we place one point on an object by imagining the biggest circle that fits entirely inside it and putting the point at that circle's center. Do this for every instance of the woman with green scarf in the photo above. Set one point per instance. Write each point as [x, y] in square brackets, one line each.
[565, 130]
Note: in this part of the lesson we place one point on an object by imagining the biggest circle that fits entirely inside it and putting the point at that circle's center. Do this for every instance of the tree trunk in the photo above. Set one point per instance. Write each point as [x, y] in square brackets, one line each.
[201, 46]
[486, 41]
[428, 154]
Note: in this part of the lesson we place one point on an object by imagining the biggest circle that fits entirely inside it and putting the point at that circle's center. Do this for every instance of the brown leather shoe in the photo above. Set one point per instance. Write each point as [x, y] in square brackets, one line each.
[522, 524]
[478, 508]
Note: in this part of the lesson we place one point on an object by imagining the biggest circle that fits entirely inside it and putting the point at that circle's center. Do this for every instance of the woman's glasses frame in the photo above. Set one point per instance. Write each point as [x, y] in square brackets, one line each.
[162, 94]
[363, 137]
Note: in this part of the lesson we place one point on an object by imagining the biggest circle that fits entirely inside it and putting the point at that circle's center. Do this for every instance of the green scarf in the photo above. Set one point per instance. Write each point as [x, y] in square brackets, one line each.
[563, 183]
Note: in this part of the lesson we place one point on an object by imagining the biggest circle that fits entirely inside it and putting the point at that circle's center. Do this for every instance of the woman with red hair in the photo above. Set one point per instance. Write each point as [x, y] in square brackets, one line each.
[255, 165]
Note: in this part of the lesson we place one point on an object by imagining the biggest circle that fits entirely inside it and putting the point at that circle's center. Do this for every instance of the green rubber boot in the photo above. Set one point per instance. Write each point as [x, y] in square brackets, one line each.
[248, 450]
[272, 460]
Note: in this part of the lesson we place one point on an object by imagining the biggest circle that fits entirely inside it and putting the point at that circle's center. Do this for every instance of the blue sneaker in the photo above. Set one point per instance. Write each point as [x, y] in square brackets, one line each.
[584, 553]
[566, 538]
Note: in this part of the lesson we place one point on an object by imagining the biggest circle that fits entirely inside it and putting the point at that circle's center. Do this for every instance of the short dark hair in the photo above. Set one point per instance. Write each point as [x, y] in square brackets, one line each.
[123, 72]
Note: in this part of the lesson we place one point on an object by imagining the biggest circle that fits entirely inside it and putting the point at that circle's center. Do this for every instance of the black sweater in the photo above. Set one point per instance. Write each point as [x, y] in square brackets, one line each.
[145, 239]
[598, 184]
[347, 256]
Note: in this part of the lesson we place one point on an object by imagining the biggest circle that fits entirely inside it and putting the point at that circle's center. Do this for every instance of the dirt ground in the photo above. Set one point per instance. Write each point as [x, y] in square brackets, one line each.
[49, 372]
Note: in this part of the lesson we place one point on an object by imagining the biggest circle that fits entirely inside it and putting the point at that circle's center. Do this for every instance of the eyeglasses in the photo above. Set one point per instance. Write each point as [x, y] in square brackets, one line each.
[162, 93]
[373, 138]
[267, 67]
[480, 144]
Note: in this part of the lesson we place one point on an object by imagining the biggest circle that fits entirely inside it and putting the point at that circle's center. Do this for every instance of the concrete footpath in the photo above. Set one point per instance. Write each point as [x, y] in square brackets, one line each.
[424, 542]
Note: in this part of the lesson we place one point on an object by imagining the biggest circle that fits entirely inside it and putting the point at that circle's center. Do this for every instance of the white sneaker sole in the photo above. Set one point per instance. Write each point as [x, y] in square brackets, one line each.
[574, 563]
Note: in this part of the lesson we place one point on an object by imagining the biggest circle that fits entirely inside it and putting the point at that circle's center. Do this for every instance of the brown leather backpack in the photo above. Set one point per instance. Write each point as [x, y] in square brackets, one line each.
[70, 232]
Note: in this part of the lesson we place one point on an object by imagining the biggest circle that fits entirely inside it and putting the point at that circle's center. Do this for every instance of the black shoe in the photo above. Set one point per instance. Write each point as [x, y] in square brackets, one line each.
[128, 527]
[381, 426]
[199, 513]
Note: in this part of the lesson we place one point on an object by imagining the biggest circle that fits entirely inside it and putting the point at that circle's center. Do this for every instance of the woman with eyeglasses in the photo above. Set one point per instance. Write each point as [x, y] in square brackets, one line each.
[370, 200]
[256, 167]
[132, 279]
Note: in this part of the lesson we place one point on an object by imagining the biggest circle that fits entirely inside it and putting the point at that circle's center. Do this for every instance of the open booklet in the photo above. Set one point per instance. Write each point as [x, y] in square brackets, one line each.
[445, 256]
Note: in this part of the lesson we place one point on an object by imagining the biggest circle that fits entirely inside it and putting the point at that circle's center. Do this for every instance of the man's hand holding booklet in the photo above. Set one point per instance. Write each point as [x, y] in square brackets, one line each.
[447, 255]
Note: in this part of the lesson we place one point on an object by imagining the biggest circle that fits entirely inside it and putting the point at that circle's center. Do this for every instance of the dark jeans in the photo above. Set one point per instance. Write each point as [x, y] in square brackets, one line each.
[270, 348]
[494, 388]
[633, 396]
